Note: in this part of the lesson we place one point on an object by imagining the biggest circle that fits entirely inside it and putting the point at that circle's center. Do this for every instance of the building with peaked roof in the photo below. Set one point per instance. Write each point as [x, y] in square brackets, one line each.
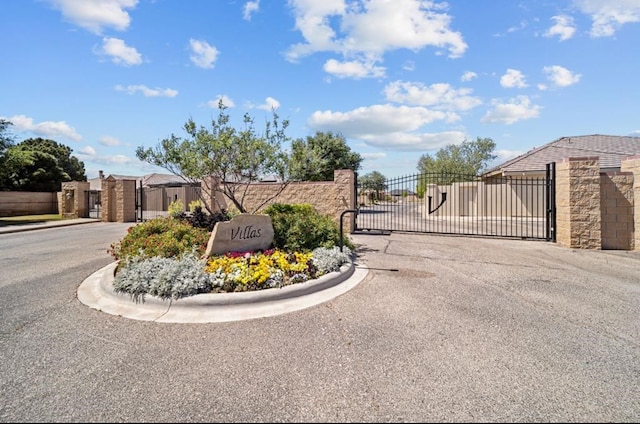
[611, 149]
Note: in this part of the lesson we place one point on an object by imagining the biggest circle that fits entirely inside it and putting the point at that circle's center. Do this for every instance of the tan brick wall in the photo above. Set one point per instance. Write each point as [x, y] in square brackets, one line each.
[616, 210]
[578, 203]
[632, 164]
[328, 197]
[16, 203]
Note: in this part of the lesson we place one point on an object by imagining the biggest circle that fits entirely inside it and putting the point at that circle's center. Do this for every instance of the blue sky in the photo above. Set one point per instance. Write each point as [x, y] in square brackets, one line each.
[397, 78]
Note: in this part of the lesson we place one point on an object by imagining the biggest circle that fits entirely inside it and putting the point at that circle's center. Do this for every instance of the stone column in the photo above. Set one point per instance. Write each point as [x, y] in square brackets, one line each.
[126, 200]
[212, 197]
[107, 199]
[632, 164]
[578, 203]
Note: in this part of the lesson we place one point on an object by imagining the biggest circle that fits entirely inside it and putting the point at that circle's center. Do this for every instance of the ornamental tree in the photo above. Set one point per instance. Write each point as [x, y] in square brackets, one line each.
[234, 158]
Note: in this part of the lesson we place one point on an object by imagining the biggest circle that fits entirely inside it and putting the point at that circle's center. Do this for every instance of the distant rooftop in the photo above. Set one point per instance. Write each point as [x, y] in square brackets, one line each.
[611, 149]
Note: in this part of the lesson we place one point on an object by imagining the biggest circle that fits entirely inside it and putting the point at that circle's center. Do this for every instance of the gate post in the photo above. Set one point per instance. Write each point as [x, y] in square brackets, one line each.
[578, 203]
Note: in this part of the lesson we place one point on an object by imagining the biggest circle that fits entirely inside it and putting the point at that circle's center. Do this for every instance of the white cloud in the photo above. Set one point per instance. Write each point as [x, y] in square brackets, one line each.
[413, 142]
[504, 155]
[513, 78]
[370, 29]
[94, 15]
[609, 15]
[440, 96]
[107, 140]
[120, 53]
[374, 119]
[203, 55]
[563, 27]
[353, 69]
[146, 91]
[515, 110]
[87, 150]
[388, 126]
[46, 129]
[226, 101]
[561, 77]
[269, 104]
[373, 156]
[468, 76]
[249, 9]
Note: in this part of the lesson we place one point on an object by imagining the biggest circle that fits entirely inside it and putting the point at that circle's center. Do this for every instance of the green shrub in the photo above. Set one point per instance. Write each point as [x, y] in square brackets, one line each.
[176, 208]
[300, 228]
[165, 237]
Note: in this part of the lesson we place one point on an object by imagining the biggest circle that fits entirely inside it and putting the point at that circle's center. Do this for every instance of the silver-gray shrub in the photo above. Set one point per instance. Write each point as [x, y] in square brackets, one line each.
[166, 278]
[330, 259]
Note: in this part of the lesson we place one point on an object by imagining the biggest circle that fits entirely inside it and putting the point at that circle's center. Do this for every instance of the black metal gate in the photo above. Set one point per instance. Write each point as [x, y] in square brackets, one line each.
[447, 203]
[94, 204]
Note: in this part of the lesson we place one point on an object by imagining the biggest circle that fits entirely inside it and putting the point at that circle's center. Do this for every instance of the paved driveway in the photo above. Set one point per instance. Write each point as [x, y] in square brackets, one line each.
[442, 329]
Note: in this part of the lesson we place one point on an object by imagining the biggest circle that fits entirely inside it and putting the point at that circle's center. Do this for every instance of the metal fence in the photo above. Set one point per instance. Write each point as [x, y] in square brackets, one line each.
[450, 203]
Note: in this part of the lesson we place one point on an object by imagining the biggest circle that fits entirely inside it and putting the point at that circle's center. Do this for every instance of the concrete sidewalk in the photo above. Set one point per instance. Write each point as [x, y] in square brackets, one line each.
[17, 228]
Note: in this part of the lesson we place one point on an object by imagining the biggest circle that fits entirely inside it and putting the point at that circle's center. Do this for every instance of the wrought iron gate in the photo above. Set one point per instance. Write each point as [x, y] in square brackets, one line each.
[519, 207]
[94, 204]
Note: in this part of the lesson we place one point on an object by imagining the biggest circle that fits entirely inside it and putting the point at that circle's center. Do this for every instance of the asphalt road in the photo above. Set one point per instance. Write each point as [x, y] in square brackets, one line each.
[442, 329]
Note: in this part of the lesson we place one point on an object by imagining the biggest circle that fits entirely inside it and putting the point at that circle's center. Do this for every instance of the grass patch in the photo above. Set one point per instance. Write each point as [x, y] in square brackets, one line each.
[29, 219]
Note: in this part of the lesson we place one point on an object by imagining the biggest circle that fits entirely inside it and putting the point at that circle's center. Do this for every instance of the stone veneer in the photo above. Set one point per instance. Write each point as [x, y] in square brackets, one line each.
[578, 203]
[327, 197]
[632, 164]
[616, 210]
[73, 200]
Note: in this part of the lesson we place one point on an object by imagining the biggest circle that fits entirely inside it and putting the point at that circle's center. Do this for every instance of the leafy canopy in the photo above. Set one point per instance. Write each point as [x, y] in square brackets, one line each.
[316, 157]
[38, 164]
[468, 158]
[234, 158]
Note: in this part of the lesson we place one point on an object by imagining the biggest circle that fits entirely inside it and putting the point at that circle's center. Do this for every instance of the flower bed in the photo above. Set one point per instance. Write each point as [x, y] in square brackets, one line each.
[188, 275]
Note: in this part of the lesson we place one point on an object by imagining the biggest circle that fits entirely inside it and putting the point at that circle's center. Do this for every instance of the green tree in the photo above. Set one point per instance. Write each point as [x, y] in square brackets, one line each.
[374, 182]
[38, 164]
[6, 140]
[455, 162]
[316, 157]
[235, 158]
[468, 157]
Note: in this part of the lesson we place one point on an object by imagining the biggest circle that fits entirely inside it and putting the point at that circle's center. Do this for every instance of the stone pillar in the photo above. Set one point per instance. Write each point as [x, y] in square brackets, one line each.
[344, 180]
[126, 200]
[632, 164]
[578, 203]
[211, 195]
[108, 199]
[74, 199]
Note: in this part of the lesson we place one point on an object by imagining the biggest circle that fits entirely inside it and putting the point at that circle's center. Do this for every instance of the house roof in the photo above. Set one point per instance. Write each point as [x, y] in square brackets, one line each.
[163, 180]
[611, 149]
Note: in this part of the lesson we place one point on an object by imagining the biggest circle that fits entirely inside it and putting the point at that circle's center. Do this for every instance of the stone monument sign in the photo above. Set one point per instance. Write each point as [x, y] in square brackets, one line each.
[245, 232]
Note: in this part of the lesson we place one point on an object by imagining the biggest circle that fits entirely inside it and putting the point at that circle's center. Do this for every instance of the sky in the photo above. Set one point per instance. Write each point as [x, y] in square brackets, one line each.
[398, 79]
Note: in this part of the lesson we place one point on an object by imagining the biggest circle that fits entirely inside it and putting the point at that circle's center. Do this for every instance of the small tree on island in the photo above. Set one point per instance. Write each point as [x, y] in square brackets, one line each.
[235, 159]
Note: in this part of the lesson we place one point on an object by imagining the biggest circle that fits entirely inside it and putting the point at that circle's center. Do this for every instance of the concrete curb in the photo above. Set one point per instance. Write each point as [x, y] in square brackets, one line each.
[45, 225]
[96, 291]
